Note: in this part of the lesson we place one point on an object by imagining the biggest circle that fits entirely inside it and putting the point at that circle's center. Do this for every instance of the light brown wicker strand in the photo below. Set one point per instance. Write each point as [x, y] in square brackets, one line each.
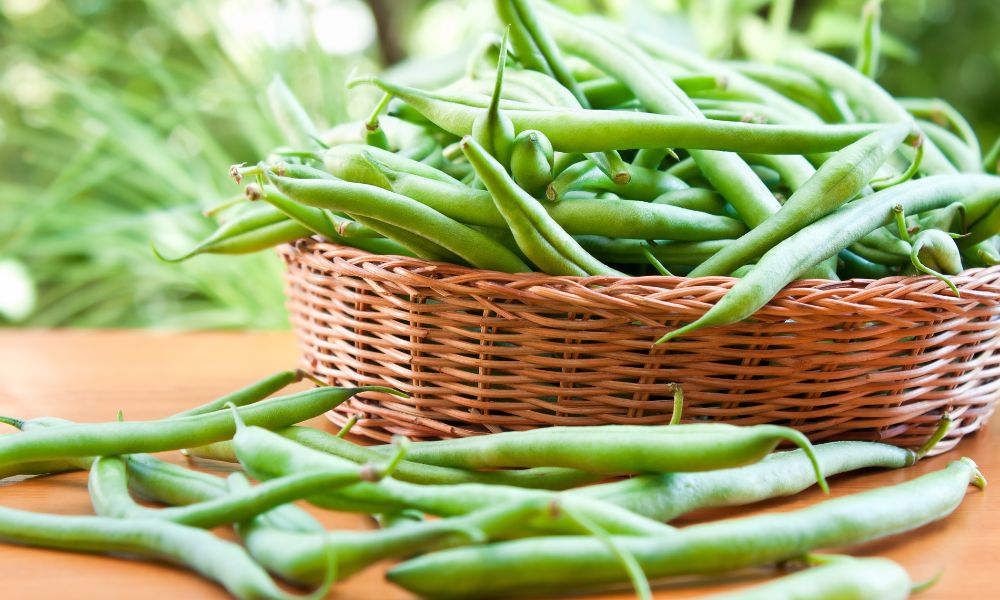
[480, 351]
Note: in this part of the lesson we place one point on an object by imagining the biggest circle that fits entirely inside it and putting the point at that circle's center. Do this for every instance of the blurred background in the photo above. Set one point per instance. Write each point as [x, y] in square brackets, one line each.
[119, 119]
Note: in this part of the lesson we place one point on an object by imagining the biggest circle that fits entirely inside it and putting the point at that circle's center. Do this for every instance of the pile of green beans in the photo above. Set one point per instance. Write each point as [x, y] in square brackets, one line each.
[573, 147]
[504, 502]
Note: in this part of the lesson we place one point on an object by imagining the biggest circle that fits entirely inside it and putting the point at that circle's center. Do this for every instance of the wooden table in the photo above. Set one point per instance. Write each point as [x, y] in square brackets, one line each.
[89, 376]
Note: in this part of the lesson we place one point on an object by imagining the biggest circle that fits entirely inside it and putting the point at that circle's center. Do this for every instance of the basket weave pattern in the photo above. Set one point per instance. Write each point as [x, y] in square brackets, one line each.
[482, 351]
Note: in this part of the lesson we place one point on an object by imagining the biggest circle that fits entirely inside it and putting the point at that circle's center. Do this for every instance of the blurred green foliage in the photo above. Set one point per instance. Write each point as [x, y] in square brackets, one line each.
[119, 118]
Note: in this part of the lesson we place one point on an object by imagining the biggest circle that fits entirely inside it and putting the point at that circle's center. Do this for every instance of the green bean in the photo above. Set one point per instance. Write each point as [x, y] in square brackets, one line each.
[629, 251]
[699, 199]
[248, 394]
[531, 162]
[414, 243]
[615, 449]
[163, 482]
[862, 92]
[606, 92]
[735, 80]
[750, 112]
[958, 153]
[667, 496]
[856, 266]
[316, 220]
[108, 486]
[101, 439]
[548, 94]
[983, 254]
[255, 230]
[414, 472]
[613, 218]
[644, 184]
[399, 211]
[493, 129]
[251, 393]
[795, 171]
[339, 160]
[869, 47]
[201, 551]
[650, 158]
[374, 135]
[534, 46]
[564, 563]
[984, 226]
[843, 577]
[298, 556]
[598, 130]
[936, 253]
[837, 181]
[537, 234]
[828, 236]
[943, 114]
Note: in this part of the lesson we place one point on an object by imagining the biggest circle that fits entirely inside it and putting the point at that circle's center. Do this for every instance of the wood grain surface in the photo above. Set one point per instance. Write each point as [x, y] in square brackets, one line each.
[89, 376]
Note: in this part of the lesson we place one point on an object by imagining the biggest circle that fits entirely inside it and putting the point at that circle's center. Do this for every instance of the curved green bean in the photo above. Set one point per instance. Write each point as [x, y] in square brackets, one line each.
[837, 181]
[114, 438]
[540, 238]
[828, 236]
[400, 211]
[580, 563]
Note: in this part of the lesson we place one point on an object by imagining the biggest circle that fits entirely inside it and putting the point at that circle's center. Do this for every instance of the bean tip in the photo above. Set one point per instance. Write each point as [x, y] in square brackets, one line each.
[236, 173]
[253, 192]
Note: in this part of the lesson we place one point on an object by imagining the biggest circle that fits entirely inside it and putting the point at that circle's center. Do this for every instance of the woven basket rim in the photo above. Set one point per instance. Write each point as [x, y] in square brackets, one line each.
[660, 289]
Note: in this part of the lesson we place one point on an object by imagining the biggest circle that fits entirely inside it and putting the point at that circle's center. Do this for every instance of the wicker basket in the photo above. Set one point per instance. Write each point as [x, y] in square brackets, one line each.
[482, 351]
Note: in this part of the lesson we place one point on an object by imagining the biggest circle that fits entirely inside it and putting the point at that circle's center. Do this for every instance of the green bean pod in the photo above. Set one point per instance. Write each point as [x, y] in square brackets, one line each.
[843, 577]
[257, 229]
[644, 184]
[615, 449]
[828, 236]
[493, 129]
[667, 496]
[534, 47]
[114, 438]
[936, 253]
[564, 563]
[108, 487]
[531, 162]
[414, 472]
[699, 199]
[402, 212]
[612, 218]
[964, 158]
[201, 551]
[855, 266]
[629, 251]
[249, 394]
[598, 130]
[342, 162]
[540, 238]
[837, 181]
